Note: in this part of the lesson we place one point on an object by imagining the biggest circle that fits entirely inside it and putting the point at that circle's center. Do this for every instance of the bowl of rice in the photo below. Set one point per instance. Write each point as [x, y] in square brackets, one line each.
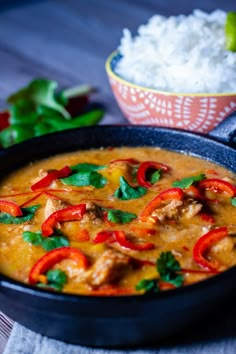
[176, 72]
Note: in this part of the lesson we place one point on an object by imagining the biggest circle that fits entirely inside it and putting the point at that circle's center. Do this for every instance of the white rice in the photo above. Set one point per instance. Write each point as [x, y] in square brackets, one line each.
[179, 54]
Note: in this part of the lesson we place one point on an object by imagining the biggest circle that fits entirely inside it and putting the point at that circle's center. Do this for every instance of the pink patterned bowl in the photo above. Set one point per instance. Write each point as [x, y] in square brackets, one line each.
[194, 112]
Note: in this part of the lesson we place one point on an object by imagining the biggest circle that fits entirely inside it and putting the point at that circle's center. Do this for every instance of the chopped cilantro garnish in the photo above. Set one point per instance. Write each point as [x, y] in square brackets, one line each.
[168, 267]
[188, 181]
[126, 192]
[47, 243]
[148, 285]
[119, 216]
[28, 214]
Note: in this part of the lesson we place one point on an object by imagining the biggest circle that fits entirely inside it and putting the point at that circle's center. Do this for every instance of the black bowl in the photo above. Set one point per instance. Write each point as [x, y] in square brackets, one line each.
[119, 320]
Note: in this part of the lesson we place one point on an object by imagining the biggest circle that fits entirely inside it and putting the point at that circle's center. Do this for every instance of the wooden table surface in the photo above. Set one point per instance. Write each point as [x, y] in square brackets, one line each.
[69, 40]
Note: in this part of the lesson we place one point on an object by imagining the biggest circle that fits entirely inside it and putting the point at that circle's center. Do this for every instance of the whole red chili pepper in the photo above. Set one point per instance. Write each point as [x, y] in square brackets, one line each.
[51, 258]
[216, 184]
[169, 194]
[144, 168]
[204, 243]
[74, 212]
[10, 207]
[50, 177]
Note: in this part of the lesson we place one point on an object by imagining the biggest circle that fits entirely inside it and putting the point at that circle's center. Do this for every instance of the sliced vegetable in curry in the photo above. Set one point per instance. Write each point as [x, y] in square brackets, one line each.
[117, 221]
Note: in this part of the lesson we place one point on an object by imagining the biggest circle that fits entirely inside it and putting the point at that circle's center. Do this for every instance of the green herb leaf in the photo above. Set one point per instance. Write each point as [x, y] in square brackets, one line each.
[233, 201]
[149, 286]
[155, 177]
[35, 238]
[28, 214]
[230, 31]
[87, 167]
[126, 192]
[56, 280]
[16, 133]
[47, 243]
[119, 216]
[50, 243]
[168, 268]
[23, 112]
[40, 92]
[188, 181]
[82, 179]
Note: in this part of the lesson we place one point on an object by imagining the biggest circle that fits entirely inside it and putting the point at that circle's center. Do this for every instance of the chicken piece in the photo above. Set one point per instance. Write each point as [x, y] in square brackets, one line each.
[93, 213]
[190, 208]
[168, 211]
[53, 205]
[176, 209]
[109, 267]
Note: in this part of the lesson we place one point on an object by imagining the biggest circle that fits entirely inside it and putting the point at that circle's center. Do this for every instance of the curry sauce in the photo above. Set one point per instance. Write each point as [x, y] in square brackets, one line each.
[117, 221]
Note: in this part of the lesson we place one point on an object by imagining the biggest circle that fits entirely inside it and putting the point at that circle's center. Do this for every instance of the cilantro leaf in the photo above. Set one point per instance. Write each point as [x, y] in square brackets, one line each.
[50, 243]
[86, 167]
[35, 238]
[155, 177]
[119, 216]
[188, 181]
[149, 286]
[82, 179]
[126, 192]
[47, 243]
[28, 214]
[233, 201]
[40, 92]
[168, 268]
[56, 280]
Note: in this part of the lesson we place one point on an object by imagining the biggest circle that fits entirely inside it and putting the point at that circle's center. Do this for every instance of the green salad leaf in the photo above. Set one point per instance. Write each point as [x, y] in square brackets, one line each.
[126, 192]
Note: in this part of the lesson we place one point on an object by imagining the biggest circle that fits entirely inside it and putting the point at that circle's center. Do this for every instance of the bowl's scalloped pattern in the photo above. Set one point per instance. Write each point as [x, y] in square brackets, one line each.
[194, 113]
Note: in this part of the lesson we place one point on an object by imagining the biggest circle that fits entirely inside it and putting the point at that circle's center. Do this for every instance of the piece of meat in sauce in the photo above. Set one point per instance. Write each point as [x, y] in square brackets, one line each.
[176, 209]
[93, 214]
[52, 205]
[108, 268]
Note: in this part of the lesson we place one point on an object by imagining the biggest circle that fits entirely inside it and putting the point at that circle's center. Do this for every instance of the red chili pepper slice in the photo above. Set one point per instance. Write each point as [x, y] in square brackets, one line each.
[50, 177]
[131, 161]
[119, 236]
[71, 213]
[10, 207]
[83, 235]
[47, 261]
[143, 170]
[207, 217]
[4, 120]
[169, 194]
[204, 243]
[216, 184]
[194, 192]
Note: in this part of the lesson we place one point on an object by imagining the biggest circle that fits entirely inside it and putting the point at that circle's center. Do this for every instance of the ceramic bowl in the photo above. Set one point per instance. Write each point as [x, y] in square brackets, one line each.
[194, 112]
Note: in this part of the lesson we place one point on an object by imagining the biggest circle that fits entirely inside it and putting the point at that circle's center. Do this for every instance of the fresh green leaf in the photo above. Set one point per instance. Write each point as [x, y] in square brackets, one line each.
[28, 214]
[155, 177]
[16, 133]
[168, 268]
[82, 179]
[233, 201]
[230, 31]
[35, 238]
[119, 216]
[40, 92]
[126, 192]
[50, 243]
[188, 181]
[149, 286]
[86, 167]
[47, 243]
[56, 280]
[23, 112]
